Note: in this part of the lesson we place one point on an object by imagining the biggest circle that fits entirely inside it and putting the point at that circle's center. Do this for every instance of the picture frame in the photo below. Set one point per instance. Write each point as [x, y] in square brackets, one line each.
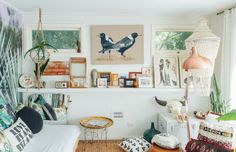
[133, 75]
[129, 83]
[61, 84]
[68, 37]
[121, 82]
[106, 75]
[123, 51]
[114, 79]
[166, 70]
[79, 82]
[145, 82]
[147, 71]
[102, 83]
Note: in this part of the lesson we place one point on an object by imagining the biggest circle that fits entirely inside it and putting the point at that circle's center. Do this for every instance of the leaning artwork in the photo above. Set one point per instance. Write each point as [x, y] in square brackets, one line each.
[117, 44]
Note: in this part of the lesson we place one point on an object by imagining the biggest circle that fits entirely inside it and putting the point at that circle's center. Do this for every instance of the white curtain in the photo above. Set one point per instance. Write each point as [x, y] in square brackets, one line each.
[228, 65]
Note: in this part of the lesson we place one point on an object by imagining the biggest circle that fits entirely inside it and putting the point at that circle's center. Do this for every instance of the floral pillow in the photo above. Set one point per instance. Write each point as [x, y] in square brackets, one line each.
[7, 116]
[38, 108]
[135, 145]
[5, 145]
[60, 113]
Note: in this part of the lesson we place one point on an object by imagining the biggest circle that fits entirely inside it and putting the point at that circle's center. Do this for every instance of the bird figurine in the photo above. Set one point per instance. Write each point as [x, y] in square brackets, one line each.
[106, 43]
[121, 46]
[125, 43]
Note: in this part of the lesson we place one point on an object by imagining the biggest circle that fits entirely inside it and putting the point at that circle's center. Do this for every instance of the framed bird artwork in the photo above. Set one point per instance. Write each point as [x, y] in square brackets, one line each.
[117, 44]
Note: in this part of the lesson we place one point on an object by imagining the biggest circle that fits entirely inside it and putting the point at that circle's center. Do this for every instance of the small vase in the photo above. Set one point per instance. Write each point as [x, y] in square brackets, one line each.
[148, 134]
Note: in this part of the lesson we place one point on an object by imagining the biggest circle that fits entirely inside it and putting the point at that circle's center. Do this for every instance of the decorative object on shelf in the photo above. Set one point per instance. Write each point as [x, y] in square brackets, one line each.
[114, 79]
[149, 133]
[145, 82]
[218, 103]
[147, 71]
[61, 84]
[106, 75]
[27, 81]
[102, 83]
[117, 44]
[94, 76]
[129, 83]
[122, 82]
[39, 53]
[166, 140]
[133, 75]
[78, 72]
[200, 115]
[174, 108]
[166, 69]
[57, 68]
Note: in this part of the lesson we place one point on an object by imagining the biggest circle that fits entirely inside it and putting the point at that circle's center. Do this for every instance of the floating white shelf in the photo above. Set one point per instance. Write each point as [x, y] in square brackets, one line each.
[84, 90]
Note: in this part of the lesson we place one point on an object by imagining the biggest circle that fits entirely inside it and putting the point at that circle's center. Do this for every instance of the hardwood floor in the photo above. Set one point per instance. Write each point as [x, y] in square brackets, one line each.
[101, 146]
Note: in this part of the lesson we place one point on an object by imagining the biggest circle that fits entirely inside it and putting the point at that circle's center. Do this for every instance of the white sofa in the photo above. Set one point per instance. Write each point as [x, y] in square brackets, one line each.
[54, 138]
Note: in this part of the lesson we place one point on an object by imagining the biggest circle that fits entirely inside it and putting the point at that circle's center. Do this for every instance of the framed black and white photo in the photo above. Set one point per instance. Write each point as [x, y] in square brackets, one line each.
[102, 82]
[145, 82]
[129, 83]
[166, 69]
[121, 82]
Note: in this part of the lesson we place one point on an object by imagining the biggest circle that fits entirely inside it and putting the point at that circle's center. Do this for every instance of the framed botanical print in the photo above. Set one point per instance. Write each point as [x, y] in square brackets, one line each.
[166, 69]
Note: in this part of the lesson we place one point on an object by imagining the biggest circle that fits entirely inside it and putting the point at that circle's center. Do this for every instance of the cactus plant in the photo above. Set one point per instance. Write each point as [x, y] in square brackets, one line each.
[218, 103]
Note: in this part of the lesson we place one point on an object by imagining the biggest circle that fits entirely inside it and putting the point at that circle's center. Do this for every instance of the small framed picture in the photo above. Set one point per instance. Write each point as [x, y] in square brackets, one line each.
[106, 75]
[122, 82]
[133, 75]
[147, 71]
[61, 84]
[102, 82]
[129, 83]
[145, 82]
[78, 82]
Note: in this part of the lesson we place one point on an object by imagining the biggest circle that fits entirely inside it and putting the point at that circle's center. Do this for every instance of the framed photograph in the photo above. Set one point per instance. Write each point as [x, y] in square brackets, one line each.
[65, 37]
[129, 83]
[183, 73]
[106, 75]
[122, 82]
[147, 71]
[77, 82]
[133, 75]
[117, 44]
[114, 79]
[102, 83]
[166, 68]
[145, 82]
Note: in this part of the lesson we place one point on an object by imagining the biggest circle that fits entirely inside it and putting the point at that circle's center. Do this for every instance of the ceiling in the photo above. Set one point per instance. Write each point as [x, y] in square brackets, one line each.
[162, 8]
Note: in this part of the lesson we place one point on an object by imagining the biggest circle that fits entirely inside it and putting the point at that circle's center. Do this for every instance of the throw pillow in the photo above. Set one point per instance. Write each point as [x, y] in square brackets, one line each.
[5, 145]
[60, 113]
[19, 107]
[38, 108]
[31, 118]
[19, 134]
[7, 116]
[135, 145]
[203, 146]
[213, 133]
[167, 141]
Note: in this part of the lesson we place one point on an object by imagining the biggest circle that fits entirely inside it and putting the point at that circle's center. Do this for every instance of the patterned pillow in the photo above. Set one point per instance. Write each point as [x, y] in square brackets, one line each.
[135, 145]
[213, 133]
[38, 108]
[7, 116]
[19, 134]
[5, 145]
[19, 107]
[203, 146]
[60, 113]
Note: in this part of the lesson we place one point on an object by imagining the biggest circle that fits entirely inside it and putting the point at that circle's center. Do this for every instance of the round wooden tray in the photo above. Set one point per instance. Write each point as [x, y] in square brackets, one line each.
[84, 122]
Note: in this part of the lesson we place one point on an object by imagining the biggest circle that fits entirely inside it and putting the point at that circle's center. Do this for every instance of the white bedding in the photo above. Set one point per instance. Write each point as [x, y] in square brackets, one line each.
[54, 138]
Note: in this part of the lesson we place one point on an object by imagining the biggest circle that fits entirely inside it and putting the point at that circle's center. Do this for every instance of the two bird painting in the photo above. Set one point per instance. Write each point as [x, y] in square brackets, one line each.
[117, 44]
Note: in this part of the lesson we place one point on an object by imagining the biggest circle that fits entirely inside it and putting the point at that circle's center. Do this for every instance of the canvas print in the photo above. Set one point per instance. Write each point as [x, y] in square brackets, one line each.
[64, 39]
[171, 40]
[166, 69]
[10, 52]
[117, 44]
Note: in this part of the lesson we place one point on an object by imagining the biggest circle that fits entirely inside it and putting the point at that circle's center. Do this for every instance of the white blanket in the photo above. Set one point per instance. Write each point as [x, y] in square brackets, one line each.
[54, 138]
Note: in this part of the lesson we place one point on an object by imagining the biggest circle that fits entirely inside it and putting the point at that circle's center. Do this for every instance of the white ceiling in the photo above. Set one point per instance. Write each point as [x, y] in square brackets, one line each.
[163, 8]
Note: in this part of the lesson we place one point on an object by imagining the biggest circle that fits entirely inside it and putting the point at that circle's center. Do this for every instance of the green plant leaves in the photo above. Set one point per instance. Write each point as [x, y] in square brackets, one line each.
[228, 116]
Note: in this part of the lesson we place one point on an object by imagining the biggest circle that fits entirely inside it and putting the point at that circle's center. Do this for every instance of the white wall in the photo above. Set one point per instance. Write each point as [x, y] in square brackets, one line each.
[138, 107]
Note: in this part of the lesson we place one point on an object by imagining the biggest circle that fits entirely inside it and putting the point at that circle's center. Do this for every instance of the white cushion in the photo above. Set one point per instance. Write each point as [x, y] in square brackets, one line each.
[19, 135]
[54, 138]
[165, 140]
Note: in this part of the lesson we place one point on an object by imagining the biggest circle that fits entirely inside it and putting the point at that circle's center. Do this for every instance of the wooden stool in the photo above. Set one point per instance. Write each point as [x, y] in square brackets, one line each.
[155, 148]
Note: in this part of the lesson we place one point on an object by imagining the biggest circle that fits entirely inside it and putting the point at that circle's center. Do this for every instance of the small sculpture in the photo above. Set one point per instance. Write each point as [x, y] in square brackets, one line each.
[94, 76]
[174, 107]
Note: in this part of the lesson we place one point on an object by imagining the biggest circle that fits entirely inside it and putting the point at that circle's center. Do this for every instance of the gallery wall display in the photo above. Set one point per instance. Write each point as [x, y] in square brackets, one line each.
[10, 52]
[117, 44]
